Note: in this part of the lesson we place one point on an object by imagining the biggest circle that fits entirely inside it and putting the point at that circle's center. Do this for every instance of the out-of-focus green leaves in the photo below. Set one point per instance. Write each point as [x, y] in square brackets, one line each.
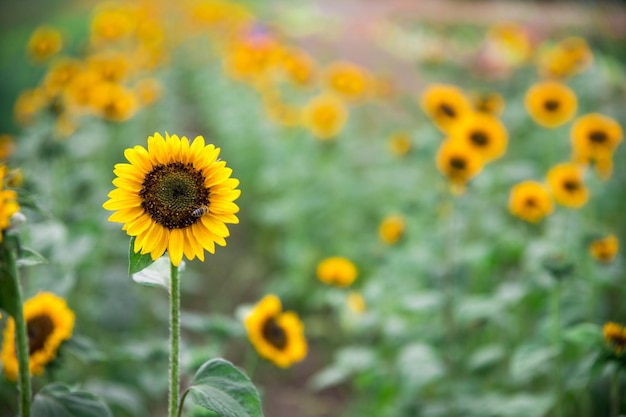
[58, 400]
[29, 257]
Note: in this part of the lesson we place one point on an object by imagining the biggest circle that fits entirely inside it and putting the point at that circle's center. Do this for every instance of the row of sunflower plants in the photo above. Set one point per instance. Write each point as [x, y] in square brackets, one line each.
[445, 250]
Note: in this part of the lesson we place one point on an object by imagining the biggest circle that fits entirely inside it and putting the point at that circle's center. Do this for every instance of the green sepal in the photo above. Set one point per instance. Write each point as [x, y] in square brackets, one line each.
[224, 390]
[137, 261]
[59, 400]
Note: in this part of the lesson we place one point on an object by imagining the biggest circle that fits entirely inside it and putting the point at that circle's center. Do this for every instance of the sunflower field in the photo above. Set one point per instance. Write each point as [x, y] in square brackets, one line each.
[219, 208]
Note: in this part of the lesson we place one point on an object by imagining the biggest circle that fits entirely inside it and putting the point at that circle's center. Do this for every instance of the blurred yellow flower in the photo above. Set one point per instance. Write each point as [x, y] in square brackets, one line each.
[113, 102]
[483, 133]
[276, 335]
[298, 66]
[111, 66]
[445, 105]
[79, 92]
[60, 74]
[28, 104]
[337, 271]
[569, 57]
[111, 24]
[530, 201]
[174, 195]
[510, 41]
[488, 102]
[348, 80]
[248, 59]
[8, 203]
[282, 113]
[567, 186]
[458, 162]
[44, 43]
[399, 143]
[605, 249]
[595, 137]
[148, 91]
[7, 146]
[615, 336]
[550, 103]
[356, 302]
[49, 322]
[325, 116]
[391, 229]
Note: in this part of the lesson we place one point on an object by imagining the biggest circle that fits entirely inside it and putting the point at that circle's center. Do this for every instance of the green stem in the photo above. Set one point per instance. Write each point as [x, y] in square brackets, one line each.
[182, 401]
[174, 339]
[615, 397]
[556, 311]
[21, 337]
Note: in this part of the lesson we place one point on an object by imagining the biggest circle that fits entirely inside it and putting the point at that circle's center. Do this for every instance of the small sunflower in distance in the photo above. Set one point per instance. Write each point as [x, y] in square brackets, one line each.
[458, 162]
[488, 102]
[276, 335]
[8, 203]
[550, 103]
[49, 322]
[337, 271]
[445, 105]
[174, 196]
[530, 201]
[44, 43]
[604, 249]
[483, 133]
[615, 337]
[325, 116]
[595, 137]
[567, 186]
[391, 229]
[400, 143]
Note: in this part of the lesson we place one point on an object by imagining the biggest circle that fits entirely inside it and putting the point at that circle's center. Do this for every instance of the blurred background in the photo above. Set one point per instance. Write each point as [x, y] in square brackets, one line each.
[463, 306]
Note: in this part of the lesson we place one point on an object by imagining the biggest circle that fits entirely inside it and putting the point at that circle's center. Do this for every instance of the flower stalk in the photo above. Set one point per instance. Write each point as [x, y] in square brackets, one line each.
[174, 340]
[615, 393]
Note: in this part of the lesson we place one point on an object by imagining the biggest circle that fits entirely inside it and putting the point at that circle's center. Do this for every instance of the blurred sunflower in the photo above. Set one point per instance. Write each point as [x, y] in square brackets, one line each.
[348, 80]
[458, 162]
[49, 322]
[400, 143]
[113, 102]
[113, 67]
[29, 102]
[391, 229]
[148, 91]
[488, 102]
[604, 249]
[8, 203]
[595, 137]
[7, 146]
[337, 271]
[510, 41]
[567, 186]
[569, 57]
[550, 103]
[445, 105]
[530, 201]
[325, 116]
[356, 302]
[44, 43]
[615, 337]
[483, 133]
[111, 24]
[276, 335]
[60, 74]
[298, 66]
[175, 196]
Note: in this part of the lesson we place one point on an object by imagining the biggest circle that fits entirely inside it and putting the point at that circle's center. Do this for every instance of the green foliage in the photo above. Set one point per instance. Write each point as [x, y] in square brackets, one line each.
[58, 400]
[136, 260]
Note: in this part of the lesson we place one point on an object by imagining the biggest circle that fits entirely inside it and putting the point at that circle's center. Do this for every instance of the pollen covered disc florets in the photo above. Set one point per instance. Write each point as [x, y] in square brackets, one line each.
[175, 196]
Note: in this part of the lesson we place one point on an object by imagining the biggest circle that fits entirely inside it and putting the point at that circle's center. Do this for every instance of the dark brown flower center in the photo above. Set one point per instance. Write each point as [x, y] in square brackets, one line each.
[571, 185]
[173, 193]
[447, 110]
[458, 163]
[274, 334]
[551, 105]
[39, 328]
[598, 136]
[530, 202]
[479, 138]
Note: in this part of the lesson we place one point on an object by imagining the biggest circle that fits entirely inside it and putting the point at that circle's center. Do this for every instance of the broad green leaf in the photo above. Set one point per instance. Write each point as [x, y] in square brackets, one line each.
[58, 400]
[8, 283]
[29, 257]
[137, 261]
[224, 390]
[585, 335]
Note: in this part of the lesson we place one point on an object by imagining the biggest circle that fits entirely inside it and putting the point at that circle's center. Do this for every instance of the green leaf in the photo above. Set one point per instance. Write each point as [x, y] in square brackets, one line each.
[29, 257]
[137, 261]
[157, 274]
[58, 400]
[224, 390]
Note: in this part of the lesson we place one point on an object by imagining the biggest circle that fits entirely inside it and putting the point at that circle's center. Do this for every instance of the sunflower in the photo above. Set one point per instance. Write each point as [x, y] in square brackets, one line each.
[325, 116]
[445, 105]
[615, 336]
[175, 196]
[604, 249]
[337, 271]
[458, 162]
[276, 335]
[595, 137]
[7, 146]
[44, 43]
[511, 41]
[348, 80]
[530, 201]
[488, 102]
[113, 67]
[148, 91]
[569, 57]
[400, 143]
[483, 133]
[113, 102]
[298, 67]
[550, 103]
[29, 102]
[49, 322]
[60, 74]
[391, 229]
[567, 186]
[111, 24]
[8, 203]
[356, 302]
